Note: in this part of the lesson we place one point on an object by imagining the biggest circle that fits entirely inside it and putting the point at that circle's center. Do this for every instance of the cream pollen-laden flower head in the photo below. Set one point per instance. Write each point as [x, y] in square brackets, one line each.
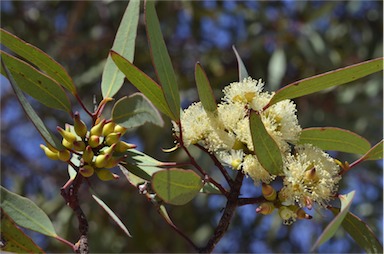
[243, 92]
[311, 175]
[252, 167]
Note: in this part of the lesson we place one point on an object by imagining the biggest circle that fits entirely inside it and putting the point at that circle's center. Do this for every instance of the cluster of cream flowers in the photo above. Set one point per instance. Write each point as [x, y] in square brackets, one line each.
[309, 174]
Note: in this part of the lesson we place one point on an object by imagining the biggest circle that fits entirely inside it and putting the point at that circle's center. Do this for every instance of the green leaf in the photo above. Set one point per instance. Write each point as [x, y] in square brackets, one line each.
[113, 78]
[360, 232]
[37, 57]
[14, 240]
[209, 188]
[176, 186]
[48, 137]
[134, 111]
[112, 214]
[336, 139]
[161, 60]
[144, 83]
[326, 80]
[25, 213]
[36, 84]
[132, 178]
[243, 73]
[276, 68]
[204, 89]
[330, 230]
[266, 149]
[375, 153]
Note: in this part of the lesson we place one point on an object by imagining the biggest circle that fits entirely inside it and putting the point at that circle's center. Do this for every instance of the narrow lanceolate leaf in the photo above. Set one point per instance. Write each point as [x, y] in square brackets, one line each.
[326, 80]
[112, 214]
[375, 153]
[266, 149]
[124, 44]
[176, 186]
[144, 83]
[38, 58]
[134, 111]
[30, 112]
[330, 230]
[204, 89]
[161, 60]
[243, 73]
[25, 213]
[335, 139]
[13, 239]
[360, 232]
[36, 84]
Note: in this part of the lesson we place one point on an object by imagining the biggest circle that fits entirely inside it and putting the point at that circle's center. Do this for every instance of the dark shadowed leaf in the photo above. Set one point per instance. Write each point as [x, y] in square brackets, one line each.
[25, 213]
[124, 44]
[37, 57]
[144, 83]
[209, 188]
[266, 149]
[176, 186]
[326, 80]
[204, 89]
[36, 84]
[330, 230]
[375, 153]
[134, 111]
[243, 73]
[161, 60]
[336, 139]
[360, 232]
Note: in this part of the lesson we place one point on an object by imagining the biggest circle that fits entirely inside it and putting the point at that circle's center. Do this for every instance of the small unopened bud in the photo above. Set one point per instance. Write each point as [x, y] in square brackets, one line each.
[301, 214]
[102, 160]
[87, 170]
[122, 146]
[64, 155]
[79, 146]
[287, 215]
[49, 153]
[265, 208]
[67, 144]
[94, 141]
[109, 150]
[113, 162]
[88, 154]
[268, 191]
[97, 130]
[69, 136]
[79, 126]
[112, 138]
[106, 175]
[108, 128]
[119, 128]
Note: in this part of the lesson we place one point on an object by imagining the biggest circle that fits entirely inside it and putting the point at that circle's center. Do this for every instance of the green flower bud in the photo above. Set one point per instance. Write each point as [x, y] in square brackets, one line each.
[79, 146]
[112, 138]
[64, 155]
[88, 154]
[269, 192]
[69, 136]
[106, 175]
[87, 170]
[119, 128]
[287, 215]
[94, 141]
[49, 153]
[97, 130]
[265, 208]
[79, 126]
[108, 128]
[102, 160]
[67, 144]
[109, 150]
[113, 162]
[122, 146]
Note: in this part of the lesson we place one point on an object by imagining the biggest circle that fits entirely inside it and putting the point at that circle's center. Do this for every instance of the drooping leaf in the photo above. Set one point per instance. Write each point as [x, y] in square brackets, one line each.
[276, 68]
[204, 89]
[35, 119]
[13, 239]
[36, 84]
[330, 230]
[326, 80]
[37, 57]
[360, 232]
[25, 213]
[209, 188]
[266, 149]
[375, 153]
[134, 111]
[243, 73]
[124, 44]
[176, 186]
[161, 60]
[111, 214]
[336, 139]
[144, 83]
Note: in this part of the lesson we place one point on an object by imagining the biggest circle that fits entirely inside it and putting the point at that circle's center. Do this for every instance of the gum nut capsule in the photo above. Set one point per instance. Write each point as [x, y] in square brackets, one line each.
[87, 171]
[106, 175]
[67, 144]
[122, 146]
[49, 153]
[97, 130]
[269, 192]
[88, 154]
[94, 141]
[112, 138]
[108, 128]
[102, 160]
[79, 126]
[64, 155]
[69, 136]
[79, 146]
[121, 129]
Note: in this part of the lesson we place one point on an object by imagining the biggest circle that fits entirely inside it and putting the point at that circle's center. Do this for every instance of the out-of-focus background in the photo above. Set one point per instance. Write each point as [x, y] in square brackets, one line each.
[279, 41]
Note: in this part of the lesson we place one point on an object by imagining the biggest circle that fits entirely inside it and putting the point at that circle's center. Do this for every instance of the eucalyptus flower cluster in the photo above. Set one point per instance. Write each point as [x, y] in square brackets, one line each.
[98, 149]
[309, 174]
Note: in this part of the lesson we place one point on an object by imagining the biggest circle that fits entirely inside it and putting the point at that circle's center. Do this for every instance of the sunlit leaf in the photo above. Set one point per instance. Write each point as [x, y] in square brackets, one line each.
[204, 89]
[375, 153]
[330, 230]
[35, 119]
[360, 232]
[112, 214]
[243, 73]
[25, 213]
[13, 239]
[144, 83]
[36, 84]
[336, 139]
[161, 60]
[276, 68]
[176, 186]
[266, 149]
[37, 57]
[124, 44]
[134, 111]
[326, 80]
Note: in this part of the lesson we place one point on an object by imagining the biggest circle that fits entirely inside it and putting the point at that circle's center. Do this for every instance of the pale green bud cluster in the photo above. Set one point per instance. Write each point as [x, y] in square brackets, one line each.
[99, 149]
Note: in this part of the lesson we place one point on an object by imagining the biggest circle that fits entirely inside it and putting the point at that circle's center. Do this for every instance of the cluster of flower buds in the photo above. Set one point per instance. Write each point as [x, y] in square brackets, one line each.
[288, 214]
[98, 149]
